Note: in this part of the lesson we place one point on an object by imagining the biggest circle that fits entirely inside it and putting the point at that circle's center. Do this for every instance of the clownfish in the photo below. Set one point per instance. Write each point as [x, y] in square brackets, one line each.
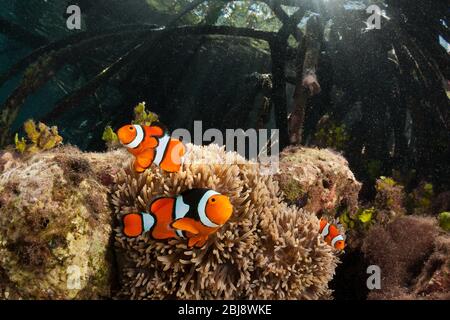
[152, 144]
[193, 215]
[331, 234]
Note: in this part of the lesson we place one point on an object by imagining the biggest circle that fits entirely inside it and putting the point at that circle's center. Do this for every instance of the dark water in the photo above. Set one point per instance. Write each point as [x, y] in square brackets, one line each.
[383, 99]
[211, 78]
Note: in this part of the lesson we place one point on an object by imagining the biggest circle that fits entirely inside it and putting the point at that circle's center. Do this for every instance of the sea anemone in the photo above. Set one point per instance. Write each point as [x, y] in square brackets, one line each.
[268, 250]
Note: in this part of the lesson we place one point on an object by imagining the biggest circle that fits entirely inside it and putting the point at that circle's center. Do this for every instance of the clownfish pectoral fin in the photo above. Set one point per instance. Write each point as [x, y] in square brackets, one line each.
[195, 241]
[160, 203]
[185, 224]
[201, 242]
[145, 159]
[137, 167]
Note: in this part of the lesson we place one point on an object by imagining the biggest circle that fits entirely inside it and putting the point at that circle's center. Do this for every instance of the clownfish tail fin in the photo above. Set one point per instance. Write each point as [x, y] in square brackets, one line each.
[136, 224]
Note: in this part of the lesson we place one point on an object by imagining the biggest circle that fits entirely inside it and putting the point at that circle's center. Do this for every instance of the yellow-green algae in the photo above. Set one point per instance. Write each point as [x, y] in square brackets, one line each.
[332, 136]
[144, 117]
[444, 220]
[39, 138]
[420, 200]
[141, 116]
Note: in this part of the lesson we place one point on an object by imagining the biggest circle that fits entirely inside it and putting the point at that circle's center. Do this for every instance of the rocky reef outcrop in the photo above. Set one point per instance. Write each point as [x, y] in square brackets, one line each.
[60, 237]
[55, 224]
[319, 180]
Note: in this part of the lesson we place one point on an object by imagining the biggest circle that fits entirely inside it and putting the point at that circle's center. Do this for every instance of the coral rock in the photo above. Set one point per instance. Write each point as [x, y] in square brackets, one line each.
[319, 180]
[55, 225]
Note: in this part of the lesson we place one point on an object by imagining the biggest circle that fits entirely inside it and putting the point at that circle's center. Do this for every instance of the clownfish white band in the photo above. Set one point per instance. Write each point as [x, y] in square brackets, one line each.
[336, 239]
[138, 139]
[181, 209]
[326, 230]
[201, 209]
[148, 221]
[161, 148]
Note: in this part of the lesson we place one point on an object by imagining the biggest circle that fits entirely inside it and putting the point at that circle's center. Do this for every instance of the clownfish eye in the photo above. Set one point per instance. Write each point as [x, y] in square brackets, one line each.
[131, 128]
[340, 244]
[213, 199]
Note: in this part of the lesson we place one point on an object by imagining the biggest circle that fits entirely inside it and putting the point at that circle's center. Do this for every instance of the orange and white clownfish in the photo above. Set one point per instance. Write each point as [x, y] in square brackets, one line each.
[193, 215]
[152, 144]
[331, 234]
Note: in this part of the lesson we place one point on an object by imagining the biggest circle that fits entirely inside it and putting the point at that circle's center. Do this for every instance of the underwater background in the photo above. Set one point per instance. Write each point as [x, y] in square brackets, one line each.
[363, 115]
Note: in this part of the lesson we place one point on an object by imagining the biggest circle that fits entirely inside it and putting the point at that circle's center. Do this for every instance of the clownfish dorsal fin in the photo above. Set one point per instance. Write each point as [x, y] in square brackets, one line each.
[157, 204]
[185, 224]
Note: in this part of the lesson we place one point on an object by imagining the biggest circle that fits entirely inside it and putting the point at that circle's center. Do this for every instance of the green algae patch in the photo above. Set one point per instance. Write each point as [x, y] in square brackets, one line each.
[444, 221]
